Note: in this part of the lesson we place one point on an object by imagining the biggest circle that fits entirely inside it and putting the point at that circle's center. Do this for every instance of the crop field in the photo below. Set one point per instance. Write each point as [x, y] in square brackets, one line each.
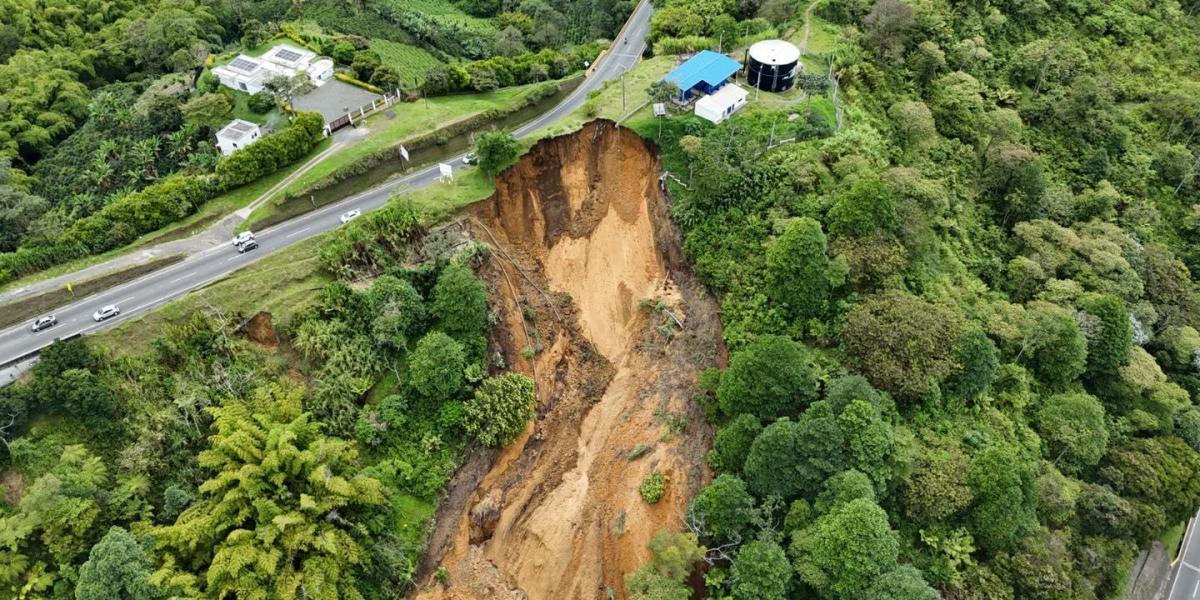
[443, 11]
[411, 61]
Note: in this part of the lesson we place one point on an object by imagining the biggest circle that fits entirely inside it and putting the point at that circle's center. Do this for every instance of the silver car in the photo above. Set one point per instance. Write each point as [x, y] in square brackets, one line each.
[45, 322]
[106, 312]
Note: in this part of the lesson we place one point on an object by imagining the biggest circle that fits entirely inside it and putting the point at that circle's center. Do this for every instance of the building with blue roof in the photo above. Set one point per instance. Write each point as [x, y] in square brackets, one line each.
[705, 72]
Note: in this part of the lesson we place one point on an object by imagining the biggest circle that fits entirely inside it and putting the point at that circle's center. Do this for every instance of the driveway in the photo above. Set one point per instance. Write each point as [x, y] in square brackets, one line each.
[334, 99]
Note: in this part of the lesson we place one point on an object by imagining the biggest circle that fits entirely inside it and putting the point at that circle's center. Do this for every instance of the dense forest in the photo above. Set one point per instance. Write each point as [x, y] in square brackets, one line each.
[961, 306]
[215, 466]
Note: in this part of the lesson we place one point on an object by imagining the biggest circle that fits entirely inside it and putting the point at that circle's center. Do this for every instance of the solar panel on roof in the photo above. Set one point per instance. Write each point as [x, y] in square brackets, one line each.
[287, 55]
[242, 64]
[240, 127]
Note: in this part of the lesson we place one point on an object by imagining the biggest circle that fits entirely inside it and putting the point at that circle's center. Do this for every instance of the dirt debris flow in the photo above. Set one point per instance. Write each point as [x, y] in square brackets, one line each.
[588, 264]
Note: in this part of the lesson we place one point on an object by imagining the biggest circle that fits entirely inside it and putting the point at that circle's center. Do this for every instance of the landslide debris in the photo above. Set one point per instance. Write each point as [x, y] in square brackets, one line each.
[597, 304]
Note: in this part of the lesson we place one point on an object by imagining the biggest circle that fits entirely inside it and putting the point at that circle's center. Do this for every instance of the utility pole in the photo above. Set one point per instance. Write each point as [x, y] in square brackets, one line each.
[622, 93]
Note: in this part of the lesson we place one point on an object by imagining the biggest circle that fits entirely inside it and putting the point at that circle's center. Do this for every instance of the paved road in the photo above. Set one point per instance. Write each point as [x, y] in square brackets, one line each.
[199, 269]
[1186, 585]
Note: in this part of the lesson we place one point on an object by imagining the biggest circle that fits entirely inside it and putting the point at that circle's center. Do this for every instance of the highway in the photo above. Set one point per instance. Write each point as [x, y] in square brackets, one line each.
[1186, 585]
[157, 288]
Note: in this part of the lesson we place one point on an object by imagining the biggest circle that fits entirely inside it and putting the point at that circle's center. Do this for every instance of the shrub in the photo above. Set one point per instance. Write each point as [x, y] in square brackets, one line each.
[653, 487]
[501, 408]
[261, 103]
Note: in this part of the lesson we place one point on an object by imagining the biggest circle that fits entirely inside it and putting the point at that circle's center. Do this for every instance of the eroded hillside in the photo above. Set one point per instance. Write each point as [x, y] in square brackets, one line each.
[598, 306]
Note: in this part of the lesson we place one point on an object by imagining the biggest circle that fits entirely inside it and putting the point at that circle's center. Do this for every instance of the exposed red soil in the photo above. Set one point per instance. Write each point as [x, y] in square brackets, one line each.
[582, 240]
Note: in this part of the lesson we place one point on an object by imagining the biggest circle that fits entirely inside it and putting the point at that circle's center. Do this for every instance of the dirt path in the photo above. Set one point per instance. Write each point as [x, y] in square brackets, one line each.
[803, 45]
[558, 514]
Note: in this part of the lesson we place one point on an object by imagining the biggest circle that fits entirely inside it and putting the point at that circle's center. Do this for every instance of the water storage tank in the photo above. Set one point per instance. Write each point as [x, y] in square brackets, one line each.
[772, 65]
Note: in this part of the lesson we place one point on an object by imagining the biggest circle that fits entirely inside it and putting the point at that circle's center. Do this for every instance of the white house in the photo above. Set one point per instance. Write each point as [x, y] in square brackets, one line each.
[249, 74]
[717, 106]
[237, 135]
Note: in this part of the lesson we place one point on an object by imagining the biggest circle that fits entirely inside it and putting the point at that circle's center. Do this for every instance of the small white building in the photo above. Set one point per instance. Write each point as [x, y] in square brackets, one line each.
[237, 135]
[717, 106]
[249, 74]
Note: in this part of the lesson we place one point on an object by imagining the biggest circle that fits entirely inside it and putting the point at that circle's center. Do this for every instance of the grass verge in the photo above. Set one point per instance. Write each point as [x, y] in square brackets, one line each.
[28, 308]
[1171, 539]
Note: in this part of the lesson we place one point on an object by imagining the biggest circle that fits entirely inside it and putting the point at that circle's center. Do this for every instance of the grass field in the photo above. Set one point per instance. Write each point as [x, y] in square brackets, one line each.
[606, 103]
[409, 60]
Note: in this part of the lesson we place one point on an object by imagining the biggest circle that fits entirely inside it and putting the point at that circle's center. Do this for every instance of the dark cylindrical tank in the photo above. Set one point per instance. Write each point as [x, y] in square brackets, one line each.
[771, 65]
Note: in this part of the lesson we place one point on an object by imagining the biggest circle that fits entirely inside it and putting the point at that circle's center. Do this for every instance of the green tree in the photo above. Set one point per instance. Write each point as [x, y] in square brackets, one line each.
[724, 509]
[278, 514]
[1187, 426]
[501, 408]
[902, 583]
[843, 552]
[798, 270]
[436, 365]
[496, 151]
[768, 378]
[1057, 350]
[761, 570]
[732, 443]
[1109, 334]
[869, 441]
[1073, 427]
[1002, 482]
[460, 303]
[842, 488]
[901, 343]
[117, 567]
[979, 358]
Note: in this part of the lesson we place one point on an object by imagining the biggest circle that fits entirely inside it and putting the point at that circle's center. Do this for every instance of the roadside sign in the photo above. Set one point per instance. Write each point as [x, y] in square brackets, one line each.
[403, 151]
[446, 170]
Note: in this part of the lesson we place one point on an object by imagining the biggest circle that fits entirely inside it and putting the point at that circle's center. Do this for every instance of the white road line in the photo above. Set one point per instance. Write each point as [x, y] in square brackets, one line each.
[233, 258]
[1196, 588]
[1191, 566]
[125, 299]
[296, 233]
[178, 279]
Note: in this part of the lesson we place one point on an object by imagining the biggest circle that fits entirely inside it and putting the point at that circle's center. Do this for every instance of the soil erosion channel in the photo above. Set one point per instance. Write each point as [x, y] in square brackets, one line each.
[597, 304]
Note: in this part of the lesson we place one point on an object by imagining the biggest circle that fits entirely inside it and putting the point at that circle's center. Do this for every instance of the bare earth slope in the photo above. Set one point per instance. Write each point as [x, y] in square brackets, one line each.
[582, 240]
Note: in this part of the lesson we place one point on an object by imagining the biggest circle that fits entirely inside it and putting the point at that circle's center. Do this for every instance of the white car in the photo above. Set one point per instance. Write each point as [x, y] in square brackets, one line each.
[350, 216]
[470, 158]
[242, 238]
[106, 312]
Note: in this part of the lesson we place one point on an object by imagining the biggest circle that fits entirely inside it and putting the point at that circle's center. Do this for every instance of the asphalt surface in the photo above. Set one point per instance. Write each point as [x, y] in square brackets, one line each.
[157, 288]
[1186, 585]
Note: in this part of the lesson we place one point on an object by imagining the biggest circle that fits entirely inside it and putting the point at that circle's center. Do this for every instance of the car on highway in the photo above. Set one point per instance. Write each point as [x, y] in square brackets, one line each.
[351, 215]
[470, 158]
[106, 312]
[43, 323]
[247, 246]
[242, 238]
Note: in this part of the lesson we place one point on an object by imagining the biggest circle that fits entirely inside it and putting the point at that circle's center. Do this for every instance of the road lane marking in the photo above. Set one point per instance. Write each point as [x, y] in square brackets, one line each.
[233, 258]
[125, 299]
[1196, 588]
[1191, 566]
[296, 233]
[180, 278]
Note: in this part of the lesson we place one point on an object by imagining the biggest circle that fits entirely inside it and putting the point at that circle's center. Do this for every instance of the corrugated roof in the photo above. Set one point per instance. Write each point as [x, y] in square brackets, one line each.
[237, 129]
[707, 66]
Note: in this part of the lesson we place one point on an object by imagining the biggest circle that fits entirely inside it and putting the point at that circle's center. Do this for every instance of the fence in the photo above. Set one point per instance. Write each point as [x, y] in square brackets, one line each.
[362, 112]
